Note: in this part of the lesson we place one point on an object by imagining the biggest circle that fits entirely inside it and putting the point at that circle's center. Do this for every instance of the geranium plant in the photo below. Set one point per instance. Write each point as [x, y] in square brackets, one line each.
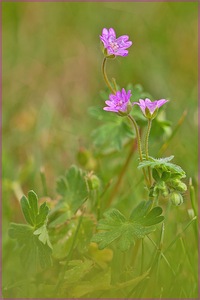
[93, 241]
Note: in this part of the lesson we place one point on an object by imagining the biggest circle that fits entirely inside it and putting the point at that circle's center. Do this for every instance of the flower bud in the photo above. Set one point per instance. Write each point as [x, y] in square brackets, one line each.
[178, 185]
[155, 191]
[181, 186]
[83, 156]
[176, 198]
[93, 182]
[160, 188]
[165, 192]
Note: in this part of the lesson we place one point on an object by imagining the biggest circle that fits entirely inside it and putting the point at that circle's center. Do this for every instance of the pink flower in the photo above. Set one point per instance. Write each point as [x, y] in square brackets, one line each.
[113, 45]
[150, 108]
[119, 102]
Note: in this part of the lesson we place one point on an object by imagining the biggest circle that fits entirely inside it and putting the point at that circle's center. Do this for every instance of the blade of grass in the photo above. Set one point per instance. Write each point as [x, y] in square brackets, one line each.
[180, 234]
[61, 277]
[162, 254]
[159, 256]
[17, 189]
[142, 258]
[44, 182]
[192, 196]
[186, 254]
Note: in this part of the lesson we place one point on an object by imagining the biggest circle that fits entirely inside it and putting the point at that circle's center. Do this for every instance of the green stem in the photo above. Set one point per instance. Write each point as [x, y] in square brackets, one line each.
[105, 76]
[114, 83]
[147, 148]
[147, 138]
[44, 182]
[121, 174]
[137, 136]
[61, 277]
[138, 143]
[180, 234]
[142, 259]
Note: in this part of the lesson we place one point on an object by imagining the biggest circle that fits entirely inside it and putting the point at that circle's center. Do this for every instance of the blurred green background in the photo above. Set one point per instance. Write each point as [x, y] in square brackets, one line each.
[52, 74]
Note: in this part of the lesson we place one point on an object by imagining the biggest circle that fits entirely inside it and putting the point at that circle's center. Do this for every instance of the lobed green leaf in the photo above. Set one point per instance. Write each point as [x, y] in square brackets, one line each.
[163, 165]
[32, 215]
[33, 251]
[115, 227]
[73, 188]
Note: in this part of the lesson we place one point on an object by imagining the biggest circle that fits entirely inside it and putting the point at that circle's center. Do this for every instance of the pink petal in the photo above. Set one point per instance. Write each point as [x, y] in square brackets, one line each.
[123, 37]
[109, 103]
[112, 32]
[105, 32]
[112, 97]
[147, 100]
[161, 102]
[105, 42]
[118, 94]
[151, 106]
[110, 109]
[123, 107]
[121, 52]
[129, 94]
[110, 50]
[142, 102]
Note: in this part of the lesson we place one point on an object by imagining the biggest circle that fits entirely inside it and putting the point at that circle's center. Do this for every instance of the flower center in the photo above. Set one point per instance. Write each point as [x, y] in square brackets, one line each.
[114, 46]
[119, 104]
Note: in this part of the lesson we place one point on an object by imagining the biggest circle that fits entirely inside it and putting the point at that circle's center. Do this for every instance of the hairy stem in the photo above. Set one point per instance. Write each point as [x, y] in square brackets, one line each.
[138, 143]
[123, 171]
[137, 136]
[147, 148]
[106, 77]
[61, 277]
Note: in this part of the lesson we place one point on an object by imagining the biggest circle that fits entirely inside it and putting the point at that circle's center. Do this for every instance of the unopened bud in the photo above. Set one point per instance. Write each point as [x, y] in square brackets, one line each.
[176, 198]
[93, 182]
[181, 186]
[83, 156]
[178, 185]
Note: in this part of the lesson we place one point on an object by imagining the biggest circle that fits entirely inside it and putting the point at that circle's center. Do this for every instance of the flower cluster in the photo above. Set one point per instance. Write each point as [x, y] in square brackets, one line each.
[120, 101]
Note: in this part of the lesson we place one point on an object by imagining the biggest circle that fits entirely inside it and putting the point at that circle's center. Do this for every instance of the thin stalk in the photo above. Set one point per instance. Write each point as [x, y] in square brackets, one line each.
[135, 252]
[186, 258]
[106, 77]
[137, 136]
[180, 234]
[98, 205]
[147, 148]
[163, 256]
[16, 187]
[123, 171]
[61, 277]
[142, 260]
[44, 182]
[193, 202]
[192, 196]
[138, 143]
[114, 83]
[159, 256]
